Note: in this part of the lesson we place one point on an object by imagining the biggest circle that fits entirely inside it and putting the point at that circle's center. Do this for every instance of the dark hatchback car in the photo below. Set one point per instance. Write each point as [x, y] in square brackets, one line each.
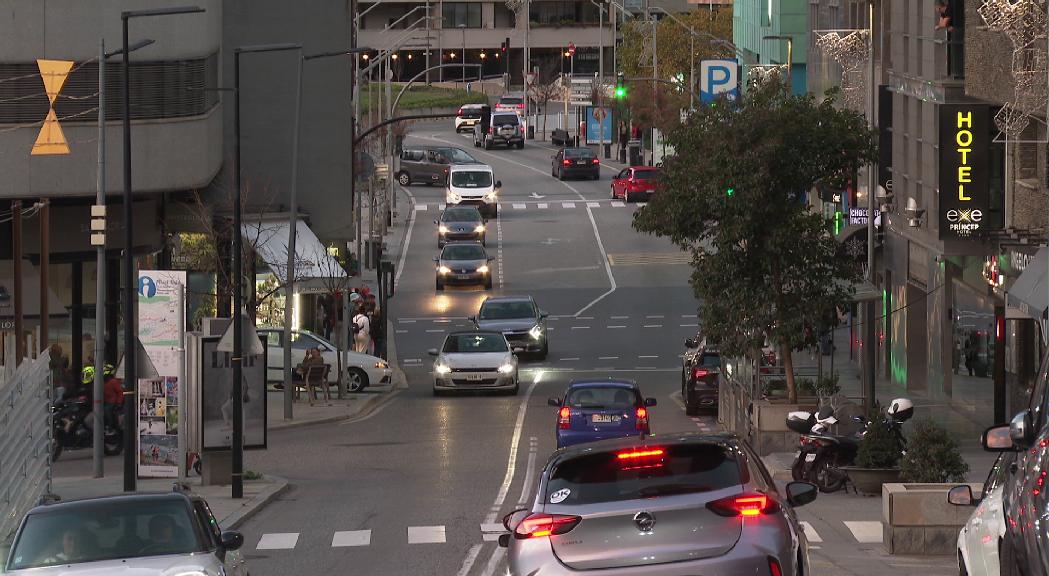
[460, 223]
[463, 263]
[429, 164]
[700, 374]
[580, 162]
[519, 319]
[594, 410]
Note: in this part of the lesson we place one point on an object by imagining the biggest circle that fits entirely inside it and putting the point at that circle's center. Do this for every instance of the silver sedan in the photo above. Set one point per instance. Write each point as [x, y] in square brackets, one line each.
[474, 360]
[671, 505]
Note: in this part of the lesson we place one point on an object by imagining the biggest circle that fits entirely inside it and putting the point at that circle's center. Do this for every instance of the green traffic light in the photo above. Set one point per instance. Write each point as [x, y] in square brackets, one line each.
[730, 191]
[620, 92]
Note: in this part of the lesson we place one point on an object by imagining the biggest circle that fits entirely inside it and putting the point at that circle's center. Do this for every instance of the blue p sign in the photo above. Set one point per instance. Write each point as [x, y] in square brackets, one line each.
[718, 77]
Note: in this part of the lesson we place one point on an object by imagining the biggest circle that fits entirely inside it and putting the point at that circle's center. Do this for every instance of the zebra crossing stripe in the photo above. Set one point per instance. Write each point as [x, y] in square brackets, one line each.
[593, 204]
[278, 541]
[519, 206]
[618, 205]
[543, 206]
[865, 532]
[351, 538]
[426, 535]
[810, 533]
[421, 207]
[568, 204]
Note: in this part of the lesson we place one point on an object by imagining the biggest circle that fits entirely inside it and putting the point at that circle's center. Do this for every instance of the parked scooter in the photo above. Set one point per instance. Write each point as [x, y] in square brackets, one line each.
[830, 439]
[71, 432]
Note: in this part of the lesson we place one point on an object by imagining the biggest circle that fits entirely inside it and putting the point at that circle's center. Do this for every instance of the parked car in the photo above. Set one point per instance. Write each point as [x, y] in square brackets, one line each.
[700, 376]
[575, 162]
[501, 128]
[511, 102]
[519, 319]
[166, 533]
[474, 360]
[362, 370]
[469, 115]
[635, 182]
[600, 409]
[979, 539]
[463, 263]
[473, 185]
[672, 505]
[460, 223]
[430, 164]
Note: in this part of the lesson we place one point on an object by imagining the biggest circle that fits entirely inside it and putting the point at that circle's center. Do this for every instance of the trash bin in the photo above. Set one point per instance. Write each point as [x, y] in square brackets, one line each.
[531, 132]
[634, 152]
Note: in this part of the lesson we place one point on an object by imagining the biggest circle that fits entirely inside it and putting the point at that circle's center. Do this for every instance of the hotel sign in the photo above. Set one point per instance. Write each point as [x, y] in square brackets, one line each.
[964, 194]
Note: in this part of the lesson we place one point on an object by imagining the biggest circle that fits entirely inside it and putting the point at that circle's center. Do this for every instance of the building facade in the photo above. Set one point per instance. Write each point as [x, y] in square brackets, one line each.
[755, 21]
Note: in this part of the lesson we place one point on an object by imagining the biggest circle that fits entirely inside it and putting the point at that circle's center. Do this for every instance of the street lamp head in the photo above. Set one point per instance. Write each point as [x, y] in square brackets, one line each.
[483, 55]
[129, 14]
[266, 48]
[393, 56]
[136, 46]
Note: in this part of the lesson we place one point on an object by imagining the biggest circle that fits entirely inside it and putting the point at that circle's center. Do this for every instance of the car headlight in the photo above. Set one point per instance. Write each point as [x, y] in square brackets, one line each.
[454, 197]
[536, 332]
[483, 268]
[382, 365]
[490, 197]
[443, 269]
[441, 368]
[507, 368]
[480, 228]
[442, 229]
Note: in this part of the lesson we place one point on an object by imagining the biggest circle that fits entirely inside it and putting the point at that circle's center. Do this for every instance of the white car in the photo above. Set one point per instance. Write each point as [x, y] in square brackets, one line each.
[473, 185]
[979, 539]
[362, 370]
[469, 116]
[474, 360]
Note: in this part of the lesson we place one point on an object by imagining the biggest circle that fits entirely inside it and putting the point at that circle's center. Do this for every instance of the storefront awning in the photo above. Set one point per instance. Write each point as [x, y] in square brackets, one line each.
[315, 270]
[1030, 293]
[30, 292]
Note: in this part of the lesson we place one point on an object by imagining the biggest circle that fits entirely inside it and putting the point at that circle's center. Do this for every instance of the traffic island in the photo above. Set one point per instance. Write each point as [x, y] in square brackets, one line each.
[918, 520]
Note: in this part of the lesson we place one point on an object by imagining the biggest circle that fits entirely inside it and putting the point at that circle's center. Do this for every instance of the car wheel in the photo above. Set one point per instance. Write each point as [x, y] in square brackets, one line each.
[627, 197]
[356, 379]
[488, 283]
[545, 350]
[494, 213]
[483, 240]
[404, 179]
[439, 286]
[513, 391]
[476, 143]
[560, 174]
[487, 144]
[961, 565]
[614, 197]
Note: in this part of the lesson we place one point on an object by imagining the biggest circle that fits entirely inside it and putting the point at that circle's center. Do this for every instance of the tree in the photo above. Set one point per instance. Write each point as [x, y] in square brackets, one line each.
[635, 54]
[541, 93]
[734, 196]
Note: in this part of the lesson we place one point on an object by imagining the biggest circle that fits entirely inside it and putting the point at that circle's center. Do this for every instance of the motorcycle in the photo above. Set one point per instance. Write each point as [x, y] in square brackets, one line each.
[830, 439]
[70, 430]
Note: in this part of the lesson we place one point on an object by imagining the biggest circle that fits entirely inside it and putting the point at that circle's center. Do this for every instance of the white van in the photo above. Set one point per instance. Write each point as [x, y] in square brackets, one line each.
[473, 184]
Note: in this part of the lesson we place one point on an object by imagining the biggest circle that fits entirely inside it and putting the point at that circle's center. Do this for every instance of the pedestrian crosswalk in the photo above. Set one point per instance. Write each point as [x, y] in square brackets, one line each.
[535, 205]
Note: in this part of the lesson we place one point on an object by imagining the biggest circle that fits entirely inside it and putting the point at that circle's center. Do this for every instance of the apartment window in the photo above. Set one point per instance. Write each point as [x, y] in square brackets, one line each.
[458, 14]
[562, 13]
[504, 17]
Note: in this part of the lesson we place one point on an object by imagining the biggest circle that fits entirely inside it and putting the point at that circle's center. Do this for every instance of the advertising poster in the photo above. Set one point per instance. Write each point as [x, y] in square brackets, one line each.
[598, 125]
[216, 397]
[160, 314]
[158, 427]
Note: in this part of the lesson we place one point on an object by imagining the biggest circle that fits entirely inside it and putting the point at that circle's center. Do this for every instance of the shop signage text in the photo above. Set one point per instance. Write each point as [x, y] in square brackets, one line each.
[964, 195]
[858, 216]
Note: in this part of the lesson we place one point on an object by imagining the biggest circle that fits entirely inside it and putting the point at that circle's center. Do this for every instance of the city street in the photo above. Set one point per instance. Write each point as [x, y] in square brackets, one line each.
[420, 485]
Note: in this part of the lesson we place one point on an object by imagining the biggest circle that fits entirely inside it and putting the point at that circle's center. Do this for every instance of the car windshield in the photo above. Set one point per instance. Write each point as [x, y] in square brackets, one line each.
[602, 398]
[507, 310]
[458, 156]
[579, 153]
[511, 101]
[472, 179]
[475, 343]
[461, 215]
[646, 472]
[106, 530]
[646, 174]
[463, 252]
[500, 119]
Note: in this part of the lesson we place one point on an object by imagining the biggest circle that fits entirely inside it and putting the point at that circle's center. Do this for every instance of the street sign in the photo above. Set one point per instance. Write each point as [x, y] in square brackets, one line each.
[571, 49]
[531, 78]
[51, 140]
[718, 77]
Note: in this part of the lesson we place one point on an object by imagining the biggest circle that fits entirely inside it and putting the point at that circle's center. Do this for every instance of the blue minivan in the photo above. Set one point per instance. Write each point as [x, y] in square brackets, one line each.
[599, 410]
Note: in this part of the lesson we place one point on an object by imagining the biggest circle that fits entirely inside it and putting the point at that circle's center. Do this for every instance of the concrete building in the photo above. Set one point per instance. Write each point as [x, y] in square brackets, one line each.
[754, 21]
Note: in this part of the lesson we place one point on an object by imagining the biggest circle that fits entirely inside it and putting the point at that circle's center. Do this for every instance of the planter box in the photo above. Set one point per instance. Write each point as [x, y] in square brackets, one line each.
[768, 422]
[871, 480]
[917, 519]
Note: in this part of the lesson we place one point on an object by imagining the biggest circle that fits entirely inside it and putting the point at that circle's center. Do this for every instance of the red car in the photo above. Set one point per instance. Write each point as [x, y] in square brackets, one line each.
[635, 182]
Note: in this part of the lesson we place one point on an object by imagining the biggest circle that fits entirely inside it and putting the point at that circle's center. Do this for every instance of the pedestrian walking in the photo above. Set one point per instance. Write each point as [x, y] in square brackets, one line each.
[362, 339]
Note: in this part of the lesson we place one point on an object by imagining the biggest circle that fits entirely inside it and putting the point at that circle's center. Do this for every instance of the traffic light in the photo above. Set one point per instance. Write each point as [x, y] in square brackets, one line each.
[620, 87]
[506, 44]
[730, 192]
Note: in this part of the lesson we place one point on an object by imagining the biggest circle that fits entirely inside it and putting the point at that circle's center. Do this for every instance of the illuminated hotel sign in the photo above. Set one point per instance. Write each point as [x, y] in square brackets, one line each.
[964, 194]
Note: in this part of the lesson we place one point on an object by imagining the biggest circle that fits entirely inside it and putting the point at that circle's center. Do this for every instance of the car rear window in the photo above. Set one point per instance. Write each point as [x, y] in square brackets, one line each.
[645, 472]
[602, 397]
[470, 113]
[711, 360]
[579, 153]
[500, 119]
[511, 101]
[646, 174]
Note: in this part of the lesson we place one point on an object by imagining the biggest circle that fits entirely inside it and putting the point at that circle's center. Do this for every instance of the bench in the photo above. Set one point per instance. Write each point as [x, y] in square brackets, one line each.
[316, 375]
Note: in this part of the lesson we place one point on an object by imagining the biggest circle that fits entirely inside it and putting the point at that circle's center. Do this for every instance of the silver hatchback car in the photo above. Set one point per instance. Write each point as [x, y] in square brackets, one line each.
[671, 505]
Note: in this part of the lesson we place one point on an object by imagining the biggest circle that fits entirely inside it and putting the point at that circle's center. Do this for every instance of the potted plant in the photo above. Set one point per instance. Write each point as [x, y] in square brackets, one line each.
[878, 455]
[933, 456]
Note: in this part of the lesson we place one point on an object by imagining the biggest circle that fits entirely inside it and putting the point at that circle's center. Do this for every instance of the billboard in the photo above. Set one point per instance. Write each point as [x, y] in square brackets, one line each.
[964, 203]
[717, 78]
[598, 125]
[158, 427]
[161, 312]
[216, 397]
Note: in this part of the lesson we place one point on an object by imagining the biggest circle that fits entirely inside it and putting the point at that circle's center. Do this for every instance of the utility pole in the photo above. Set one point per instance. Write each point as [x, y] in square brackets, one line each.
[354, 111]
[45, 269]
[98, 457]
[293, 226]
[16, 242]
[868, 331]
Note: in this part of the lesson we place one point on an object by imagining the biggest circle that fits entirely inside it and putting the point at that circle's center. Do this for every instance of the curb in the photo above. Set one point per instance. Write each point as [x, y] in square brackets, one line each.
[277, 487]
[776, 468]
[366, 406]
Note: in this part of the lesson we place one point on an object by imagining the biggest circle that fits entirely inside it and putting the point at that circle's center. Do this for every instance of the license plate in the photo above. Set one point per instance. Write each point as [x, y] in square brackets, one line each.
[473, 377]
[604, 419]
[463, 276]
[810, 457]
[581, 162]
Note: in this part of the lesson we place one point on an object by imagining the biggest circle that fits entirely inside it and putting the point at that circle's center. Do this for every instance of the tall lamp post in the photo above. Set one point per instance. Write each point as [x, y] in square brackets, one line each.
[463, 28]
[790, 58]
[130, 278]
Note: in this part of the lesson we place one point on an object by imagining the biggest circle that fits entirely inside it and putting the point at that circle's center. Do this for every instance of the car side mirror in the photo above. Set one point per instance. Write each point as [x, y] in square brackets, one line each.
[498, 183]
[231, 540]
[1021, 431]
[436, 222]
[650, 401]
[554, 401]
[801, 493]
[961, 496]
[511, 520]
[432, 351]
[690, 343]
[998, 438]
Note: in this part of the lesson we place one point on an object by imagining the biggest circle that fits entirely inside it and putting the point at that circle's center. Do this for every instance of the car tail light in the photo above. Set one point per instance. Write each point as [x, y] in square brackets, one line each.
[642, 420]
[564, 418]
[747, 504]
[698, 373]
[596, 161]
[637, 454]
[491, 129]
[542, 525]
[774, 568]
[520, 106]
[567, 162]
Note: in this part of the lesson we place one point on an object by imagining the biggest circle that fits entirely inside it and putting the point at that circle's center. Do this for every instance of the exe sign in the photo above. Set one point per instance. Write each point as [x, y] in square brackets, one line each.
[964, 220]
[51, 140]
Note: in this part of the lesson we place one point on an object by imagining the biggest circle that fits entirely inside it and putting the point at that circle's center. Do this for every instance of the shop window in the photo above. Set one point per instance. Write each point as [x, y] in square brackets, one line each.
[458, 14]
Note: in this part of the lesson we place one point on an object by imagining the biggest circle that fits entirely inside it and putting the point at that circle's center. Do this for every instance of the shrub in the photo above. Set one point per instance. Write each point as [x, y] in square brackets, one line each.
[828, 386]
[879, 447]
[932, 456]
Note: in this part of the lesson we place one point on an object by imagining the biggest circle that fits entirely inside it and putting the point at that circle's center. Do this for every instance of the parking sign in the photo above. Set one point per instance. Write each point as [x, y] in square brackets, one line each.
[718, 77]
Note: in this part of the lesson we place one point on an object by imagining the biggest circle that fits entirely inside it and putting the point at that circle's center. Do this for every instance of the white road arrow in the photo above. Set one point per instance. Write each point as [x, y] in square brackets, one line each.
[536, 196]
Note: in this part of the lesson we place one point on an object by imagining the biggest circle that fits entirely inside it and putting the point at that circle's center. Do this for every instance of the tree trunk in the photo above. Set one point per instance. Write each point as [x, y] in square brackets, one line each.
[543, 137]
[788, 369]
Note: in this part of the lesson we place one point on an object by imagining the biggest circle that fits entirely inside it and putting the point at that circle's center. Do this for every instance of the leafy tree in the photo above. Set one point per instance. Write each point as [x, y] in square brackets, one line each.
[734, 196]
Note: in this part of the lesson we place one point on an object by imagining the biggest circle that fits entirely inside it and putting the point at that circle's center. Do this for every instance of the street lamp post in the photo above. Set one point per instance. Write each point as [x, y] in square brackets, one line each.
[463, 28]
[130, 279]
[790, 58]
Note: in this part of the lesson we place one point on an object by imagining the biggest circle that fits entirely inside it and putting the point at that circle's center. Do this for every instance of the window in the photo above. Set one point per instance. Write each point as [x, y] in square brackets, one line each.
[458, 14]
[304, 342]
[273, 338]
[461, 215]
[507, 310]
[463, 252]
[476, 179]
[603, 398]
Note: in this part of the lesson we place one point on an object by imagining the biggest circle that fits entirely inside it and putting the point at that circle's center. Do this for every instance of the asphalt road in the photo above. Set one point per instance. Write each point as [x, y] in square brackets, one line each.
[410, 489]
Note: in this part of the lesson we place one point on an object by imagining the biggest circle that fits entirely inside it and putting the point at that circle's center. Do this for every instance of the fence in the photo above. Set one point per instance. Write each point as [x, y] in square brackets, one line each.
[25, 440]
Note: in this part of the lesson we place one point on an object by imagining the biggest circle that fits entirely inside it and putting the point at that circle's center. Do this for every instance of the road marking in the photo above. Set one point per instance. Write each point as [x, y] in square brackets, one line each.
[810, 532]
[407, 238]
[865, 532]
[618, 317]
[468, 562]
[654, 316]
[580, 327]
[584, 317]
[518, 206]
[593, 204]
[568, 359]
[421, 207]
[412, 360]
[618, 204]
[689, 316]
[278, 541]
[493, 561]
[688, 325]
[648, 356]
[442, 321]
[436, 331]
[644, 367]
[351, 538]
[652, 326]
[608, 357]
[499, 249]
[649, 259]
[542, 206]
[493, 527]
[526, 486]
[568, 204]
[403, 321]
[604, 257]
[400, 331]
[511, 464]
[426, 535]
[614, 327]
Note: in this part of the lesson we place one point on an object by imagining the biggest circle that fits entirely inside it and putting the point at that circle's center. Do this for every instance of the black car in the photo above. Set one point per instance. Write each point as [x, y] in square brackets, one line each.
[700, 376]
[460, 223]
[499, 128]
[519, 319]
[463, 263]
[570, 162]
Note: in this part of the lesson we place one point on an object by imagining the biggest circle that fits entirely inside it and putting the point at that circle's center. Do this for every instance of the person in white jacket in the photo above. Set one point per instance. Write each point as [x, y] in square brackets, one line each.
[362, 338]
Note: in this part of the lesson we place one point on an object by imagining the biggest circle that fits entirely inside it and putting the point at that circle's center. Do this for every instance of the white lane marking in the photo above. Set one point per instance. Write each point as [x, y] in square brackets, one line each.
[436, 331]
[646, 368]
[426, 535]
[543, 206]
[568, 359]
[688, 325]
[493, 561]
[511, 464]
[676, 397]
[865, 532]
[648, 356]
[400, 331]
[382, 406]
[618, 204]
[604, 258]
[468, 562]
[403, 321]
[689, 316]
[568, 204]
[593, 204]
[519, 206]
[490, 537]
[407, 238]
[614, 327]
[580, 327]
[421, 207]
[608, 357]
[278, 541]
[584, 317]
[619, 317]
[499, 249]
[654, 316]
[526, 486]
[493, 527]
[810, 532]
[652, 326]
[442, 321]
[412, 360]
[351, 538]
